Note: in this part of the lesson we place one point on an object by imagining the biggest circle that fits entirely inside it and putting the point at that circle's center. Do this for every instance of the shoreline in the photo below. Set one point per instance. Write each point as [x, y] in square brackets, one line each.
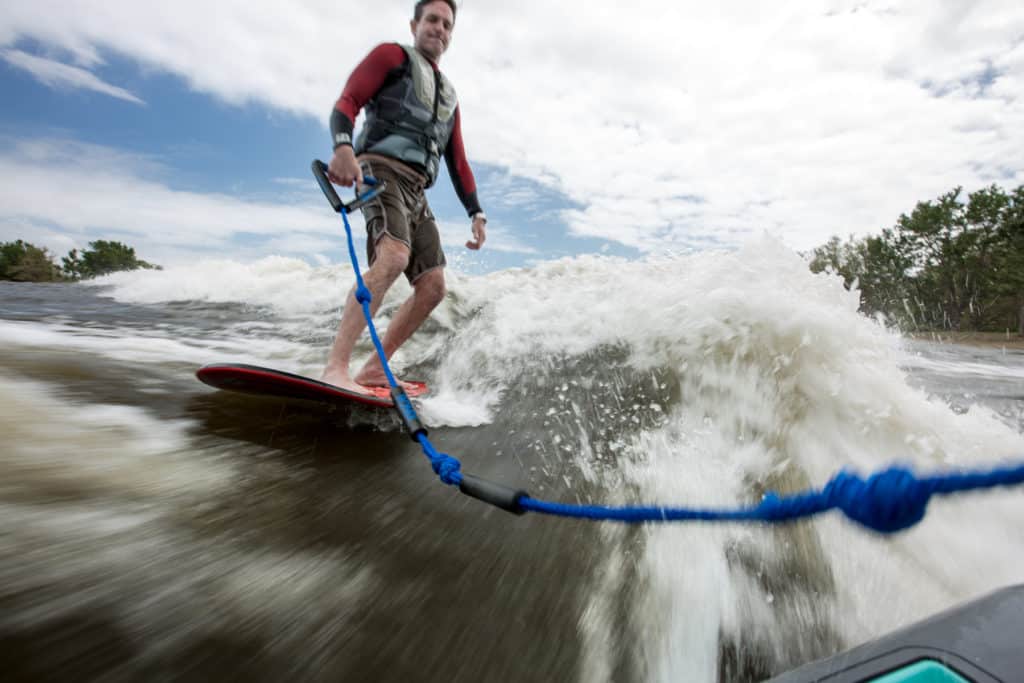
[990, 340]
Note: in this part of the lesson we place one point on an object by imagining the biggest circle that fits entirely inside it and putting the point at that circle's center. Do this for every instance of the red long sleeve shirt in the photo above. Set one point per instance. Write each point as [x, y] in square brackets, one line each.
[362, 86]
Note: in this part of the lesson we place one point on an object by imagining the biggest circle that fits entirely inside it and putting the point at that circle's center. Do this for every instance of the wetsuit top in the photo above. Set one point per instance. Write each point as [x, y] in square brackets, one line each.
[412, 116]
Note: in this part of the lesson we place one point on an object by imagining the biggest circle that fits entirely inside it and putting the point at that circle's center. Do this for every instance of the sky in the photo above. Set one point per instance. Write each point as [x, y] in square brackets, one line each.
[186, 129]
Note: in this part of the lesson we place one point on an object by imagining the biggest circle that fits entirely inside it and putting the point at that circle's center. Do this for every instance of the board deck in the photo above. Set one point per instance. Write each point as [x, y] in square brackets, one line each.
[252, 379]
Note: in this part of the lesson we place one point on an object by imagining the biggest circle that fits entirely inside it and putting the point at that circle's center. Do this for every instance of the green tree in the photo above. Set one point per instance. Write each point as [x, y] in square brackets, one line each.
[101, 258]
[985, 215]
[875, 266]
[885, 283]
[929, 237]
[951, 263]
[838, 258]
[1007, 262]
[24, 262]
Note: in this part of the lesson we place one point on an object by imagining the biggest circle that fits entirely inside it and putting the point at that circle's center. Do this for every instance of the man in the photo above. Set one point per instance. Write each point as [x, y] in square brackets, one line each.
[412, 119]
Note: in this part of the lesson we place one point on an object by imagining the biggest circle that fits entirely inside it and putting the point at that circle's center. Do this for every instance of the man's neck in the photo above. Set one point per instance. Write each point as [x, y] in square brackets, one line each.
[436, 63]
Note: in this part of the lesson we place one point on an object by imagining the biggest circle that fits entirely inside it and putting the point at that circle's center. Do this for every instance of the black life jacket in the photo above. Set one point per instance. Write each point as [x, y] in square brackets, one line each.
[412, 117]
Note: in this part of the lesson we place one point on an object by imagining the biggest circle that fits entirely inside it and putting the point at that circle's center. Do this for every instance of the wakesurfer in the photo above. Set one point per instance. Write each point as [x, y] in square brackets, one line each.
[412, 120]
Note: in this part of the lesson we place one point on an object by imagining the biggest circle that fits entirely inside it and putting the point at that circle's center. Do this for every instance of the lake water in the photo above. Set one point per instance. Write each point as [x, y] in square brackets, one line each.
[156, 529]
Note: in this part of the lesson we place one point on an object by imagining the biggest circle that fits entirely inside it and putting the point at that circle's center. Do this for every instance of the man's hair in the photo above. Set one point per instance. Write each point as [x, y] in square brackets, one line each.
[417, 13]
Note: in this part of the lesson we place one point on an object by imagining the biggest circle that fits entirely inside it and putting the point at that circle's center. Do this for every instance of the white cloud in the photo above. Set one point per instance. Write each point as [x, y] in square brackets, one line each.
[292, 182]
[14, 228]
[62, 194]
[500, 238]
[806, 119]
[83, 192]
[58, 75]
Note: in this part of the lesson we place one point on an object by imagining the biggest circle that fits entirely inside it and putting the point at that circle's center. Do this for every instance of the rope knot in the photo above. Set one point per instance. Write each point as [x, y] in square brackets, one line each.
[363, 295]
[447, 468]
[890, 500]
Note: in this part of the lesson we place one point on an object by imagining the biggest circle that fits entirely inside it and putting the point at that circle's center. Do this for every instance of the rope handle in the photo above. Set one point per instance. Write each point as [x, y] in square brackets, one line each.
[320, 173]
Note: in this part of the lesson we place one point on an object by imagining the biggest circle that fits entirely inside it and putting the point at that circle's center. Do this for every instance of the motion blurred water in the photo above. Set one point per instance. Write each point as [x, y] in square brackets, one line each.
[155, 529]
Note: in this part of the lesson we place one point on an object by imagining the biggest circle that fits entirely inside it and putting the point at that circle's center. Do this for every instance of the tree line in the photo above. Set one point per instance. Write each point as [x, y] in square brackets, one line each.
[955, 263]
[24, 262]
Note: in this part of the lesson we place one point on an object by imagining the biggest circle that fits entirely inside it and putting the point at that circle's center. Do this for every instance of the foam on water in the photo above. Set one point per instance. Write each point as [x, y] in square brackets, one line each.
[782, 384]
[984, 370]
[286, 284]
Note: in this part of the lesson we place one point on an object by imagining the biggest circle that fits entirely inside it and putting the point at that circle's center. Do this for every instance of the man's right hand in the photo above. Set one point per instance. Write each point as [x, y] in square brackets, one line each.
[344, 169]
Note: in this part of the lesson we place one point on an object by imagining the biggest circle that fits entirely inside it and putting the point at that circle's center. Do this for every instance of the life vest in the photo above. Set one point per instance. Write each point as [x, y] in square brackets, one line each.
[412, 117]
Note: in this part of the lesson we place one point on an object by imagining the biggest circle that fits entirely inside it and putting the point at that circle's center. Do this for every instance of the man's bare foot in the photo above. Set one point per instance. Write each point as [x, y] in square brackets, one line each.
[371, 378]
[343, 381]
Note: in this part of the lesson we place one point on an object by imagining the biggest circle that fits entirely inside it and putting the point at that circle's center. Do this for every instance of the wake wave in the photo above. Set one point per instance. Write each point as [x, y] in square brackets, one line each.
[691, 380]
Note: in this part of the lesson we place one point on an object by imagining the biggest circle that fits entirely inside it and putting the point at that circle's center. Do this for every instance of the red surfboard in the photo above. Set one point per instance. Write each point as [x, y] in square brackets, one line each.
[251, 379]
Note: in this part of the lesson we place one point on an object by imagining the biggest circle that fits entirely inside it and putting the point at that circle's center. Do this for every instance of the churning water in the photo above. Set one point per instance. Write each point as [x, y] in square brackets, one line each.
[155, 529]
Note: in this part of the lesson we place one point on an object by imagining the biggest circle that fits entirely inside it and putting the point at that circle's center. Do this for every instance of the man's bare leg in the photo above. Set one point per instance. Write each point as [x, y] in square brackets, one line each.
[427, 292]
[391, 259]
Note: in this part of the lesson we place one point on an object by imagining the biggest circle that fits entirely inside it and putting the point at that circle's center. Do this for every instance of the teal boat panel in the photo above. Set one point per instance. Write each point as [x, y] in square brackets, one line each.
[928, 671]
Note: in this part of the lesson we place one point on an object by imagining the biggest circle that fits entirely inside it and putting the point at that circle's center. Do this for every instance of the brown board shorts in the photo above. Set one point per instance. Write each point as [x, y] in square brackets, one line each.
[401, 212]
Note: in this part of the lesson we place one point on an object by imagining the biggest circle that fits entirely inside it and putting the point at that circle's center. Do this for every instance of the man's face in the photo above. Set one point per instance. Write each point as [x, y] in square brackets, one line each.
[432, 33]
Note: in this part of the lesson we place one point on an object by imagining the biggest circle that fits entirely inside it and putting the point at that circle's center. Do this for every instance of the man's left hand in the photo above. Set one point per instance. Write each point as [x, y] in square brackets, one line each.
[479, 233]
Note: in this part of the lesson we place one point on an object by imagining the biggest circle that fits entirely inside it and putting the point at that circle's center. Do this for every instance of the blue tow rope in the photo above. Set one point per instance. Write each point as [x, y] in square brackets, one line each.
[887, 501]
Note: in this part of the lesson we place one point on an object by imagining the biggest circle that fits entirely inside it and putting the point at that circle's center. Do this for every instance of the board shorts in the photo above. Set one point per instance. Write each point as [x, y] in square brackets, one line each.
[401, 212]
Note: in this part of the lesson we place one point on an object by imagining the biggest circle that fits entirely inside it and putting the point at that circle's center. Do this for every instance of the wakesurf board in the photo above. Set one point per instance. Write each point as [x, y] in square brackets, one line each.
[252, 379]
